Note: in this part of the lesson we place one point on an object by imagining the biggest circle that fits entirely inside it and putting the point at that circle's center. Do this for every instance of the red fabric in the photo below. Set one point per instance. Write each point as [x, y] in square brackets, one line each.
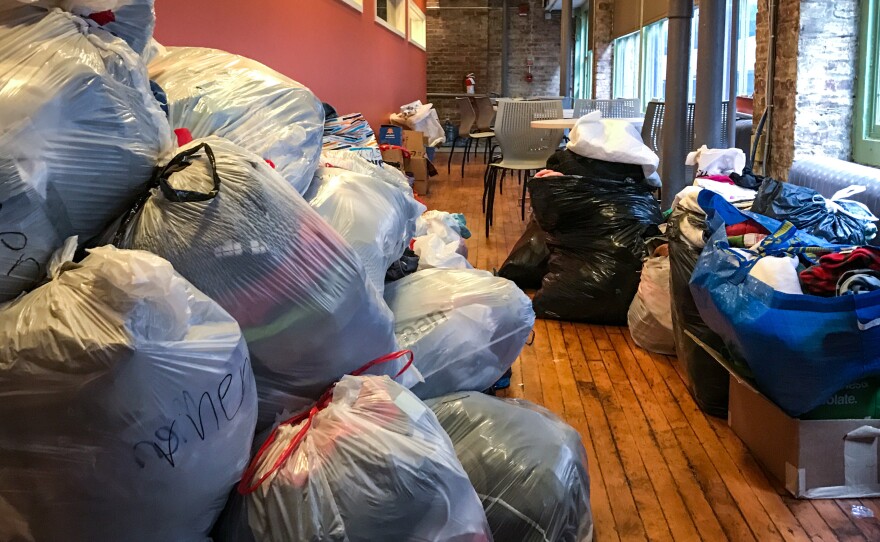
[184, 136]
[743, 228]
[387, 147]
[270, 162]
[822, 278]
[718, 178]
[103, 17]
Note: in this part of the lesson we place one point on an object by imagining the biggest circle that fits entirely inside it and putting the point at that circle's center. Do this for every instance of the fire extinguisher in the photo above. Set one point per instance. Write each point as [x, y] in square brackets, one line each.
[529, 76]
[470, 83]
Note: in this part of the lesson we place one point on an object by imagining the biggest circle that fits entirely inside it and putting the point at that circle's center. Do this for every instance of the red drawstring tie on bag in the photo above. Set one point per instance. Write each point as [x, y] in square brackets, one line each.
[103, 17]
[308, 417]
[184, 136]
[270, 162]
[387, 147]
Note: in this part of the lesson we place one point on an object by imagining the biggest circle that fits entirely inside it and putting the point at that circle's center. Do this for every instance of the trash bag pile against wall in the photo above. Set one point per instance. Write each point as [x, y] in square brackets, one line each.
[374, 464]
[709, 382]
[527, 263]
[528, 467]
[128, 403]
[212, 92]
[372, 216]
[80, 134]
[232, 226]
[836, 220]
[131, 20]
[596, 226]
[801, 349]
[650, 315]
[465, 327]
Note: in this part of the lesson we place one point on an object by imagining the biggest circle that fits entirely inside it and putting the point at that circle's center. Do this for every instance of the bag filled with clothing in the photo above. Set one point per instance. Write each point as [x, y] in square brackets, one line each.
[212, 92]
[836, 219]
[439, 241]
[597, 226]
[528, 467]
[128, 403]
[371, 462]
[527, 263]
[800, 349]
[374, 217]
[232, 226]
[650, 315]
[465, 327]
[80, 135]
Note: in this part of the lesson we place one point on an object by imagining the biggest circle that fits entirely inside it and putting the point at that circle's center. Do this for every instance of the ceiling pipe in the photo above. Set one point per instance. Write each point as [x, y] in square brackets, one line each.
[674, 136]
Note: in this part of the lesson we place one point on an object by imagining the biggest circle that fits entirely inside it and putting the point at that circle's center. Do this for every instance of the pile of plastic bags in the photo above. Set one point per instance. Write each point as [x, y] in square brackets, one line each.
[421, 118]
[440, 241]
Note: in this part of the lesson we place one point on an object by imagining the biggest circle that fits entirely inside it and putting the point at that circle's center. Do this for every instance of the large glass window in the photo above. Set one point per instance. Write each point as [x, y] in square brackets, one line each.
[626, 66]
[417, 27]
[654, 65]
[583, 57]
[866, 125]
[392, 15]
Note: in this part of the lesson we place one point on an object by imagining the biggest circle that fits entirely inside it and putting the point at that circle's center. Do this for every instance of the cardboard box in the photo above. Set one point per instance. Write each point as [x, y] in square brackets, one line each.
[391, 135]
[815, 459]
[394, 157]
[414, 142]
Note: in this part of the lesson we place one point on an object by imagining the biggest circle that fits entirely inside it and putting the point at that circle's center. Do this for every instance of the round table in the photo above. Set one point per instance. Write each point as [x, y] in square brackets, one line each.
[568, 124]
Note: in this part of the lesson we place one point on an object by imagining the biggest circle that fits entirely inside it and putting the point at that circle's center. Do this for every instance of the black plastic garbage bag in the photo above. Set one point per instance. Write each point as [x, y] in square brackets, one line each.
[707, 379]
[843, 222]
[528, 467]
[527, 263]
[597, 228]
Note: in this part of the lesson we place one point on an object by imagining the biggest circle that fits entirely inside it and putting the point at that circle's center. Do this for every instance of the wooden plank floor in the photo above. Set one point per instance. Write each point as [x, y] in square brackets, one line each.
[660, 469]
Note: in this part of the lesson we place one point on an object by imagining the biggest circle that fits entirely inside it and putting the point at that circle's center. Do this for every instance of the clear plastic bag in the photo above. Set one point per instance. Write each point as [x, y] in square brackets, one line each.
[465, 327]
[232, 226]
[370, 464]
[80, 135]
[374, 217]
[128, 404]
[215, 93]
[528, 467]
[650, 315]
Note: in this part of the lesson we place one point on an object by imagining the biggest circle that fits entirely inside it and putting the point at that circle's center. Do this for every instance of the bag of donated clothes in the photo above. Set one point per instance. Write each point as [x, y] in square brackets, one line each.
[527, 263]
[528, 467]
[650, 315]
[466, 327]
[128, 404]
[80, 134]
[131, 20]
[373, 216]
[597, 226]
[212, 92]
[230, 224]
[369, 463]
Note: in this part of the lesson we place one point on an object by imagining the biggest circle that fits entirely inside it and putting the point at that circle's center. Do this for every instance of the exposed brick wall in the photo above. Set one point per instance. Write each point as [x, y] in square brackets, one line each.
[603, 50]
[814, 83]
[469, 40]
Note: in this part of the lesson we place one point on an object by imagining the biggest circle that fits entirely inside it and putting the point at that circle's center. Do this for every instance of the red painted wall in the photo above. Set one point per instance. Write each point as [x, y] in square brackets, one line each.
[343, 55]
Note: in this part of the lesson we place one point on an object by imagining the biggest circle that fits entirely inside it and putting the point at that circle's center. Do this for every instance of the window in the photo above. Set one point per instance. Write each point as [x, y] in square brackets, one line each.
[866, 125]
[583, 57]
[392, 15]
[654, 65]
[356, 4]
[417, 27]
[626, 66]
[746, 51]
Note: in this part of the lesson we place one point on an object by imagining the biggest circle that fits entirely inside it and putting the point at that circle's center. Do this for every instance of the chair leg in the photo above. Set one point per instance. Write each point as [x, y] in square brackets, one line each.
[523, 201]
[451, 152]
[501, 183]
[486, 177]
[489, 191]
[467, 150]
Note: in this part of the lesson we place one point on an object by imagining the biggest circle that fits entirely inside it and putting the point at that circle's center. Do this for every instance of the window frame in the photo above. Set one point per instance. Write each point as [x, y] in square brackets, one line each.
[618, 75]
[354, 4]
[662, 28]
[866, 129]
[411, 9]
[389, 25]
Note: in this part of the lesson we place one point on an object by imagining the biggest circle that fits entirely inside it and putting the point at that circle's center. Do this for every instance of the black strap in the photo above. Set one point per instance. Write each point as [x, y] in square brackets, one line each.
[181, 162]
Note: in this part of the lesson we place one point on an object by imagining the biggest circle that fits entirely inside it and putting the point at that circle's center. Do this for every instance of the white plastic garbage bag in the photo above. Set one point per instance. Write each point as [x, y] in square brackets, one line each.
[612, 140]
[373, 464]
[438, 242]
[131, 20]
[374, 217]
[128, 404]
[232, 226]
[80, 135]
[212, 92]
[421, 118]
[717, 161]
[465, 327]
[528, 466]
[352, 161]
[650, 314]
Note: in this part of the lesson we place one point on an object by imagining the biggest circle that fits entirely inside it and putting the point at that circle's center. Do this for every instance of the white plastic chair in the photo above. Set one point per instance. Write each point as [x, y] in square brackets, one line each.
[611, 109]
[523, 148]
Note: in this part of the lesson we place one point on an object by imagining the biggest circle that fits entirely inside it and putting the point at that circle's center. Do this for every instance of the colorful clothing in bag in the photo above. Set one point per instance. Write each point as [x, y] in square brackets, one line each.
[822, 278]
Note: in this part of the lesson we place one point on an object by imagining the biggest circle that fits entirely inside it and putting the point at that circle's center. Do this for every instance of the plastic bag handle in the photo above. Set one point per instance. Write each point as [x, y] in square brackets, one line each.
[848, 191]
[245, 487]
[180, 162]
